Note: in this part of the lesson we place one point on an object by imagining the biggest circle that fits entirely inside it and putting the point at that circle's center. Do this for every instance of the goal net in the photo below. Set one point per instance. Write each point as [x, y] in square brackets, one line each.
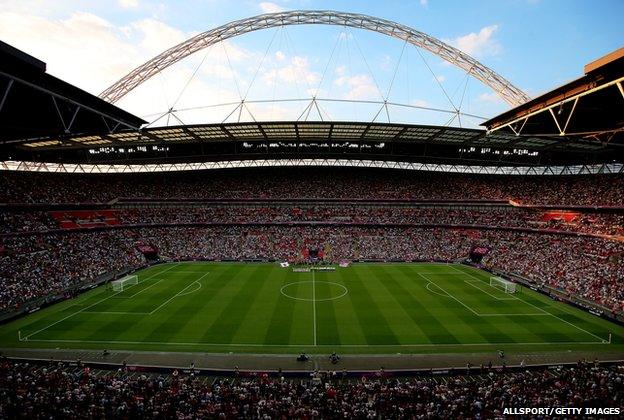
[123, 283]
[506, 285]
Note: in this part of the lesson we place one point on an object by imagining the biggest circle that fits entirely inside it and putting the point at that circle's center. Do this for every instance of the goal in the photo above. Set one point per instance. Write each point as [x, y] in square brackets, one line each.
[123, 283]
[506, 285]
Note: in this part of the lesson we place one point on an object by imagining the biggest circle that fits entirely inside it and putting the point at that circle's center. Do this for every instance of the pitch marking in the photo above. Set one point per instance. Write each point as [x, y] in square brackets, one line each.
[486, 292]
[542, 310]
[194, 290]
[344, 293]
[172, 343]
[90, 306]
[314, 303]
[178, 294]
[466, 306]
[433, 291]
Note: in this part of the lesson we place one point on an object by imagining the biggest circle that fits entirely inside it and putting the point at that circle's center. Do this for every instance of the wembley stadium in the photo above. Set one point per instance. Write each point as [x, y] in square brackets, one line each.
[327, 255]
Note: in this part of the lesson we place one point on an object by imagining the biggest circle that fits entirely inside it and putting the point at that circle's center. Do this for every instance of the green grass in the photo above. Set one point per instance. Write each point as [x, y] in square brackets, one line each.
[263, 308]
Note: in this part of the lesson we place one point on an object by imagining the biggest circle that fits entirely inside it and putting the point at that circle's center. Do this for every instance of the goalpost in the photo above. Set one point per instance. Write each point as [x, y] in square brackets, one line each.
[123, 283]
[501, 283]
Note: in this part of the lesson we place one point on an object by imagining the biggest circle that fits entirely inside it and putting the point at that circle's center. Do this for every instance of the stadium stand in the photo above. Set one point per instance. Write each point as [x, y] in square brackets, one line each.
[17, 187]
[56, 390]
[39, 264]
[253, 212]
[353, 214]
[61, 234]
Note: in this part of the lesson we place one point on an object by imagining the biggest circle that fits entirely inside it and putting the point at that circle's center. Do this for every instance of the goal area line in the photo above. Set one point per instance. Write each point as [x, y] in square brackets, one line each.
[474, 283]
[528, 303]
[474, 312]
[84, 309]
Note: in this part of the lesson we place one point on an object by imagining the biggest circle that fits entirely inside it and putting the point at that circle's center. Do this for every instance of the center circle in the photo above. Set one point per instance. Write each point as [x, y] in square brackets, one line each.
[310, 291]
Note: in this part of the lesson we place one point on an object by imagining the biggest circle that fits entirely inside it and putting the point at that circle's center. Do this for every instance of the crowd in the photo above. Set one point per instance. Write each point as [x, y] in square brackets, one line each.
[592, 269]
[35, 261]
[341, 183]
[55, 390]
[600, 223]
[34, 265]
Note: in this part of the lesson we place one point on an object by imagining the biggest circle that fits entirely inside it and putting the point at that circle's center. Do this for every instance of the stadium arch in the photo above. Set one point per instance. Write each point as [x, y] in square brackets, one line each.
[508, 92]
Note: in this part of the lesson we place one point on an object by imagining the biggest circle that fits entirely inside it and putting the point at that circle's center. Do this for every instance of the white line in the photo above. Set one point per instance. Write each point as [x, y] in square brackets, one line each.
[466, 306]
[117, 313]
[191, 272]
[482, 281]
[148, 287]
[90, 306]
[177, 294]
[192, 291]
[140, 291]
[487, 293]
[538, 314]
[314, 303]
[449, 295]
[439, 294]
[344, 293]
[171, 343]
[563, 320]
[545, 311]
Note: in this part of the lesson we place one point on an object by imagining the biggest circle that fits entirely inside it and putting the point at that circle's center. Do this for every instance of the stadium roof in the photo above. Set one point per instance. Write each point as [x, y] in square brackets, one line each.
[590, 107]
[306, 139]
[46, 120]
[35, 104]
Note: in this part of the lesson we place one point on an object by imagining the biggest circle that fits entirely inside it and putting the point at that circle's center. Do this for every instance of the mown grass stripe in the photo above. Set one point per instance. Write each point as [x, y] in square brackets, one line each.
[427, 323]
[224, 327]
[280, 325]
[141, 303]
[372, 321]
[549, 329]
[327, 330]
[213, 288]
[255, 325]
[481, 326]
[175, 316]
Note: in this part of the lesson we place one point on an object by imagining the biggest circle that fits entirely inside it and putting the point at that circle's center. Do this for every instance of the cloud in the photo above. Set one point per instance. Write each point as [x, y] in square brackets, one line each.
[490, 97]
[341, 70]
[92, 53]
[359, 86]
[420, 102]
[82, 49]
[157, 36]
[478, 44]
[280, 56]
[296, 71]
[440, 78]
[386, 62]
[128, 4]
[424, 3]
[268, 7]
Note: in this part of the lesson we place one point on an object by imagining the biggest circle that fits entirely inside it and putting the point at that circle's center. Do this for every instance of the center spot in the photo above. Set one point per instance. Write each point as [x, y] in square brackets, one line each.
[317, 291]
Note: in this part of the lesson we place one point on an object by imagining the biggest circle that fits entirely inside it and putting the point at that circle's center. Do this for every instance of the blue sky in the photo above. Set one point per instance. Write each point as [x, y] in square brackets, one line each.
[536, 44]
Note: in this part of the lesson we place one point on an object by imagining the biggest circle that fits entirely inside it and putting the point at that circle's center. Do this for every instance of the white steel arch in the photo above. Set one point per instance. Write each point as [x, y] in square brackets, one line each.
[508, 92]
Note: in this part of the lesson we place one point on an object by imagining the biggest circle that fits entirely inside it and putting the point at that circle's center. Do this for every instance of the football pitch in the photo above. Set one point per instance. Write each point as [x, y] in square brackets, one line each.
[264, 308]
